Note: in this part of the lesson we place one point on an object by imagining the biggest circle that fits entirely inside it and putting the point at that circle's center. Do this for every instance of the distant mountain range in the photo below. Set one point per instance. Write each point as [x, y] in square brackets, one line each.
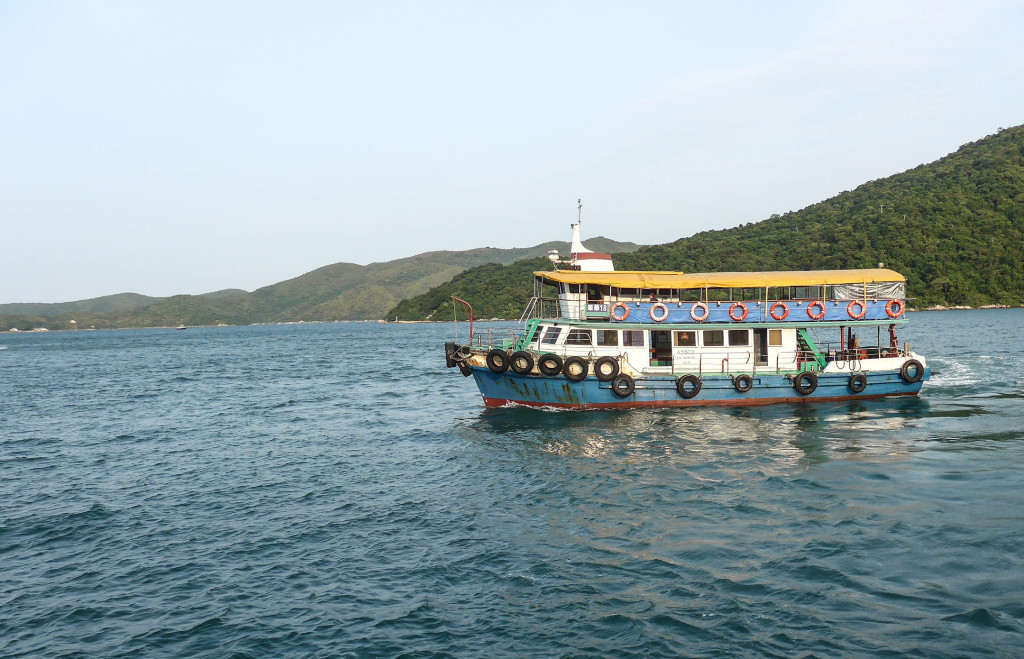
[342, 291]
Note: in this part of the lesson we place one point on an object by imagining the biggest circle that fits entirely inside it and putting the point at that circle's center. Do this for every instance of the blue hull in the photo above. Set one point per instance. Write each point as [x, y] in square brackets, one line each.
[510, 388]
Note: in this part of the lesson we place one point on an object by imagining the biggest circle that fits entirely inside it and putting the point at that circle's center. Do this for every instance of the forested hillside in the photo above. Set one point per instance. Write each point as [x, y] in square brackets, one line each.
[954, 227]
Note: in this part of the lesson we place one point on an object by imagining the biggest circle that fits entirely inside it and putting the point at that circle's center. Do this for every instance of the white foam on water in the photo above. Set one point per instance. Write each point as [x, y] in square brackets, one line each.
[949, 372]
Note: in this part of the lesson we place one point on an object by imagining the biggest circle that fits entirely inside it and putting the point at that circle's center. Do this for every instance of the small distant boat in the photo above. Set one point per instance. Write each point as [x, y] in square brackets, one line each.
[181, 327]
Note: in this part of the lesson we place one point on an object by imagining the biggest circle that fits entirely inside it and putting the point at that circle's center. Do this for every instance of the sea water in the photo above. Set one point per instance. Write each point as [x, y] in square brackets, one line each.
[333, 490]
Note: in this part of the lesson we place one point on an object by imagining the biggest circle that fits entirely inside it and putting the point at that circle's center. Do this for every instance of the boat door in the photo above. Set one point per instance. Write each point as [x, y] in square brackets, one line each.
[661, 348]
[761, 346]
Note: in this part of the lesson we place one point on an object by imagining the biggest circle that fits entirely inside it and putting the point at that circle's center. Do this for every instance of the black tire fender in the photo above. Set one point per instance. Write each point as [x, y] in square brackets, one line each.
[743, 383]
[858, 383]
[806, 382]
[550, 364]
[912, 365]
[623, 385]
[465, 369]
[575, 368]
[521, 362]
[600, 369]
[688, 386]
[497, 360]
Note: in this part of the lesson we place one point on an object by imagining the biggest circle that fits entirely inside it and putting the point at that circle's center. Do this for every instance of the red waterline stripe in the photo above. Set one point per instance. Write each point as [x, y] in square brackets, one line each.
[625, 405]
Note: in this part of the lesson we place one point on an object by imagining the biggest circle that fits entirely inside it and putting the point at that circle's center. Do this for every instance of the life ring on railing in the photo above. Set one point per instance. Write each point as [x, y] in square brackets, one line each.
[785, 310]
[732, 311]
[625, 311]
[859, 315]
[662, 316]
[899, 308]
[816, 316]
[693, 312]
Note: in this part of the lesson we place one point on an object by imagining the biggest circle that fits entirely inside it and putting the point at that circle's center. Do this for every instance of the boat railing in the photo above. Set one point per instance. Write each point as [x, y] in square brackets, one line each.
[495, 338]
[528, 311]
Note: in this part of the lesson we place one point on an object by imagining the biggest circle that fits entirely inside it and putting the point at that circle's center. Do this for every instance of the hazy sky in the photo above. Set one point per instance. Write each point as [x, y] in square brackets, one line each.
[184, 147]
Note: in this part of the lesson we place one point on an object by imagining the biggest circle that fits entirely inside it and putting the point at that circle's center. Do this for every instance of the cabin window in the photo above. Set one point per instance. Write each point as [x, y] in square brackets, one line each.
[633, 338]
[774, 337]
[539, 333]
[607, 337]
[714, 338]
[551, 335]
[579, 337]
[577, 288]
[686, 338]
[627, 292]
[739, 337]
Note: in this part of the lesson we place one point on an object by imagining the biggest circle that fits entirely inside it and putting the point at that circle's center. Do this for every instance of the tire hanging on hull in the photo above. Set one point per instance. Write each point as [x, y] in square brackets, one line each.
[550, 364]
[521, 362]
[606, 368]
[575, 369]
[805, 383]
[623, 385]
[497, 360]
[688, 386]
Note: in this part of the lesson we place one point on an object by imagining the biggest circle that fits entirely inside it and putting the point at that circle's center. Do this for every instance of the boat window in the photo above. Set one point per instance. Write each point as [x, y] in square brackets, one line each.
[774, 337]
[714, 338]
[579, 337]
[686, 338]
[551, 335]
[739, 337]
[627, 292]
[633, 338]
[576, 288]
[539, 333]
[607, 337]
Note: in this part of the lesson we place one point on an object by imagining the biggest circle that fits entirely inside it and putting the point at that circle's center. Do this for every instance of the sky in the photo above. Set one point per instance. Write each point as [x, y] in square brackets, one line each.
[191, 146]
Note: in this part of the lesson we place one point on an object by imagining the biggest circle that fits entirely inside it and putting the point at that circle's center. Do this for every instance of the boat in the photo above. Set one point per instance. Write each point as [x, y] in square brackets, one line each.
[181, 327]
[592, 337]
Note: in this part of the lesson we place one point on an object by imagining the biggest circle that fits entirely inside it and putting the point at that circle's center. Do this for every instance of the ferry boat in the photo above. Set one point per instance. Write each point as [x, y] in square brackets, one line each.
[593, 337]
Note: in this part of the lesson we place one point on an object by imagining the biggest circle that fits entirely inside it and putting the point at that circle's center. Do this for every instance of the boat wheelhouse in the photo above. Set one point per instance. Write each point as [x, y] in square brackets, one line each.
[594, 337]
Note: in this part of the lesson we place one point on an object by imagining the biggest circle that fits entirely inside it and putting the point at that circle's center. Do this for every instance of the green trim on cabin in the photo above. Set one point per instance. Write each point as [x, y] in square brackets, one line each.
[526, 337]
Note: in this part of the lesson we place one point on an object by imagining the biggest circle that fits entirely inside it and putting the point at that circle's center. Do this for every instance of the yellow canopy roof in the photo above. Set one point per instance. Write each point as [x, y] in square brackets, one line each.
[651, 279]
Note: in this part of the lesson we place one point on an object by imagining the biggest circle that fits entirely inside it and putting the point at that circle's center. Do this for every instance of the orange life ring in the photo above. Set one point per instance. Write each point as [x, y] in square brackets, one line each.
[894, 314]
[699, 305]
[785, 310]
[625, 310]
[661, 317]
[732, 311]
[863, 309]
[816, 316]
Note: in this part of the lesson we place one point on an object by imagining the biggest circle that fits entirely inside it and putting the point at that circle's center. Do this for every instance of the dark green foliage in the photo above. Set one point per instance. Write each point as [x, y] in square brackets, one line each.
[954, 228]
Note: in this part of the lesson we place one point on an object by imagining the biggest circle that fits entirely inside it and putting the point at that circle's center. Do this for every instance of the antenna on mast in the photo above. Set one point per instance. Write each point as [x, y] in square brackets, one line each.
[579, 209]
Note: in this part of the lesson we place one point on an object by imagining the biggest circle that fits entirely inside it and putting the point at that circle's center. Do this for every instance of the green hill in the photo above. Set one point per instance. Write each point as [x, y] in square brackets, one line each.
[342, 291]
[954, 227]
